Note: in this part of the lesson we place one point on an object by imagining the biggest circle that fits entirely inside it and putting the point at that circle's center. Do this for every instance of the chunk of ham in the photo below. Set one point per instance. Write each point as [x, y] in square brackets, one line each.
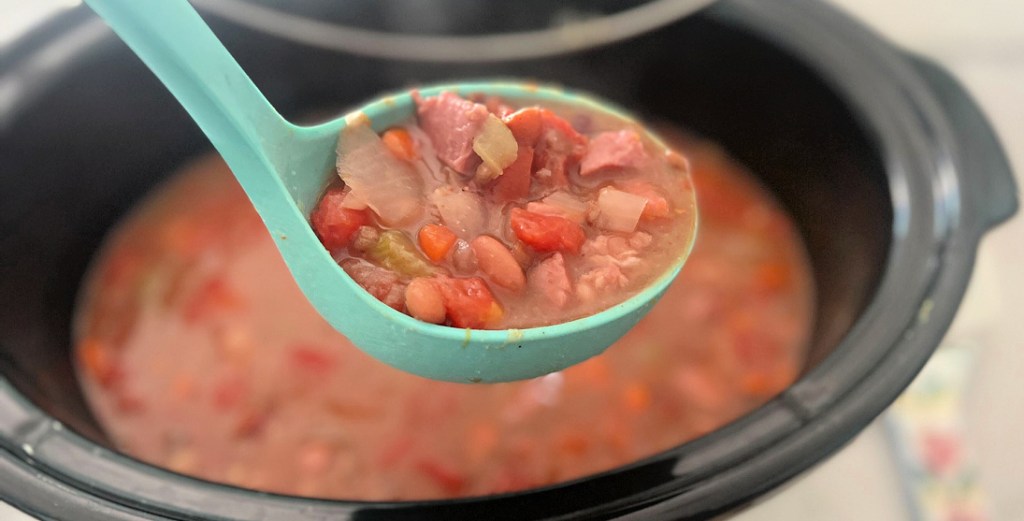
[599, 280]
[452, 123]
[384, 284]
[550, 279]
[618, 150]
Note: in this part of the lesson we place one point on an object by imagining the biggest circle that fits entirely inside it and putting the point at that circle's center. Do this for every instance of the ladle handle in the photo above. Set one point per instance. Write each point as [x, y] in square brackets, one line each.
[178, 46]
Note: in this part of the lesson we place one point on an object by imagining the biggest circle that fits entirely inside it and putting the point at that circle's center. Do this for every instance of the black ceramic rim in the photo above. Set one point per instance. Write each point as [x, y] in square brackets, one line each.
[929, 134]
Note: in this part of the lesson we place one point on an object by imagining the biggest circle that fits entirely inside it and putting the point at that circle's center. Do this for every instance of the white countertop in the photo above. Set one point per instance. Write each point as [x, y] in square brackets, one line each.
[982, 43]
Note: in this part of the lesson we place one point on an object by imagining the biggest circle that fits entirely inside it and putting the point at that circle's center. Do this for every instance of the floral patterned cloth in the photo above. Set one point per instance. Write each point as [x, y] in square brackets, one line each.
[926, 425]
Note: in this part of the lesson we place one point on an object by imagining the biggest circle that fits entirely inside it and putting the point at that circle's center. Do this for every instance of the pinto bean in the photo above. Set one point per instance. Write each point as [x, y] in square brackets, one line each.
[424, 300]
[497, 262]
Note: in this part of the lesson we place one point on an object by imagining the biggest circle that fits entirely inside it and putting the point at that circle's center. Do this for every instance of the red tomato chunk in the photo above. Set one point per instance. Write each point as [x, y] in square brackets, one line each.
[469, 197]
[333, 223]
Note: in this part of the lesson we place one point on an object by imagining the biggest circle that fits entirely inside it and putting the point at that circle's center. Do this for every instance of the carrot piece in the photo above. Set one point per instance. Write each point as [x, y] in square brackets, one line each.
[525, 125]
[573, 443]
[637, 396]
[514, 183]
[772, 277]
[400, 143]
[436, 240]
[547, 232]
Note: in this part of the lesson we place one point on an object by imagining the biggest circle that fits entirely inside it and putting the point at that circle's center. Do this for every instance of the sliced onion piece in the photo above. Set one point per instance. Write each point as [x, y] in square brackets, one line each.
[496, 146]
[388, 185]
[461, 211]
[619, 211]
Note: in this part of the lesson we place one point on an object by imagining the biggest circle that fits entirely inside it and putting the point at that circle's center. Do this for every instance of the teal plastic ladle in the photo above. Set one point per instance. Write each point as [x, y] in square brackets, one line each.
[284, 167]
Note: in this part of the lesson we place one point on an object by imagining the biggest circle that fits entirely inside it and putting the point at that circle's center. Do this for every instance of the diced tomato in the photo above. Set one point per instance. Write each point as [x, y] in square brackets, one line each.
[436, 240]
[468, 302]
[514, 183]
[333, 224]
[553, 121]
[400, 143]
[558, 149]
[98, 361]
[449, 479]
[547, 232]
[525, 125]
[311, 359]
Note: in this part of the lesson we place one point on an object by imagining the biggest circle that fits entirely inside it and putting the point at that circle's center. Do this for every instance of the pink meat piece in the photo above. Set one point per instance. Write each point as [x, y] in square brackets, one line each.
[452, 123]
[550, 278]
[598, 280]
[621, 149]
[384, 284]
[558, 150]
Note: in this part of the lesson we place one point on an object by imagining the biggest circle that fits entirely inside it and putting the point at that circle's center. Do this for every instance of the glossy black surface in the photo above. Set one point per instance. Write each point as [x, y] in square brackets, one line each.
[867, 147]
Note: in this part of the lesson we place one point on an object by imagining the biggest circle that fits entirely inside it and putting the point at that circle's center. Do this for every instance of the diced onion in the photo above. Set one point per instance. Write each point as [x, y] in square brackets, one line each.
[496, 146]
[461, 211]
[570, 206]
[619, 211]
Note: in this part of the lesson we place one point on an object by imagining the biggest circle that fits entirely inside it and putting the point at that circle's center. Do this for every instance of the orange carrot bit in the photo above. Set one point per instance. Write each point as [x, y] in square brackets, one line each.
[400, 143]
[436, 240]
[772, 277]
[573, 443]
[99, 362]
[637, 397]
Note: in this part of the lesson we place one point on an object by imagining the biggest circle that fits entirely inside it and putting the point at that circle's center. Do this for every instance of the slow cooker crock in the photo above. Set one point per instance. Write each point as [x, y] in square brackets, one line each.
[886, 163]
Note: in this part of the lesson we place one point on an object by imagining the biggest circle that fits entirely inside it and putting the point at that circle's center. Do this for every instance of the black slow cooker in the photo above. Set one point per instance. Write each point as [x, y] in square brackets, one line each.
[886, 163]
